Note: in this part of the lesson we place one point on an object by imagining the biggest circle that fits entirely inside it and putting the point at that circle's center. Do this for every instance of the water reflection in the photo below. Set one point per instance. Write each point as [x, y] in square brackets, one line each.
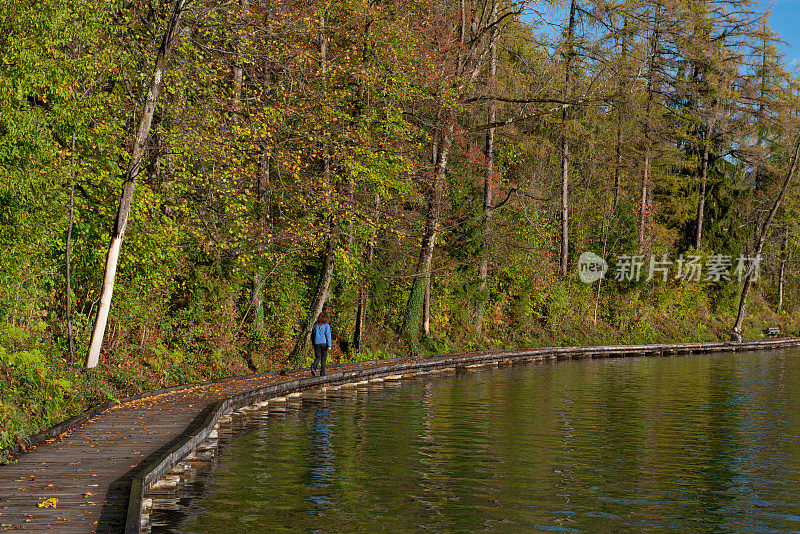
[321, 469]
[692, 444]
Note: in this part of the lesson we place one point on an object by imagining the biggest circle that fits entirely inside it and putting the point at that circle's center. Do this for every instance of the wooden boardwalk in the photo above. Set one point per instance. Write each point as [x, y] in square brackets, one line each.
[89, 468]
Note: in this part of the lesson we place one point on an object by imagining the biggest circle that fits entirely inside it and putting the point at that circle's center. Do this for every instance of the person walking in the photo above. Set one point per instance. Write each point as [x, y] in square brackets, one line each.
[321, 339]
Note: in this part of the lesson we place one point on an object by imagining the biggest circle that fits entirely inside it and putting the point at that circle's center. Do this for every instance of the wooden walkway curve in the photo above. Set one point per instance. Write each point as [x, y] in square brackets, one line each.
[89, 468]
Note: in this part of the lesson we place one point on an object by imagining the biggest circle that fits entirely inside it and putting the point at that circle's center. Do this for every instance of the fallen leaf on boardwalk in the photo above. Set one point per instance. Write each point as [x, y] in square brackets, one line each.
[93, 485]
[87, 494]
[49, 503]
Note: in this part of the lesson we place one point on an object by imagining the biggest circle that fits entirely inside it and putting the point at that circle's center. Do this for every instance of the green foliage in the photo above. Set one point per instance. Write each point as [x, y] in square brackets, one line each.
[232, 188]
[34, 394]
[367, 354]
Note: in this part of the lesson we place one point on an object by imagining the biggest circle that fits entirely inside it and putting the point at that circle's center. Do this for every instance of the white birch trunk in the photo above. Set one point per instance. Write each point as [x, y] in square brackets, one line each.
[123, 213]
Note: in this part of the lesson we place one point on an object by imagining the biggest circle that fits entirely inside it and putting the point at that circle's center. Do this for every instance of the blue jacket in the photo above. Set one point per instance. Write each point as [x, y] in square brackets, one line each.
[321, 334]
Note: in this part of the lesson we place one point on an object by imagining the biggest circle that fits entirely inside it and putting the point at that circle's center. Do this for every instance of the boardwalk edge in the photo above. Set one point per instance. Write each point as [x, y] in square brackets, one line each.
[163, 462]
[77, 420]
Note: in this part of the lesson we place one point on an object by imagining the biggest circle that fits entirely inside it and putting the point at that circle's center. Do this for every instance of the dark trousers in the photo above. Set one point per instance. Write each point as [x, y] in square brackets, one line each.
[320, 355]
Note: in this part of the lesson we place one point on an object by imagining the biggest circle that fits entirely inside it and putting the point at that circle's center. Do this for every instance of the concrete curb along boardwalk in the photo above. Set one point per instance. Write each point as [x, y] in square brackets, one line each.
[99, 470]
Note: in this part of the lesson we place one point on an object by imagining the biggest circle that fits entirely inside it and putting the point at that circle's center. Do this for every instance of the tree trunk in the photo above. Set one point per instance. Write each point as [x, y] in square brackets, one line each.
[701, 202]
[618, 163]
[760, 128]
[320, 296]
[426, 308]
[351, 190]
[258, 300]
[748, 281]
[361, 311]
[263, 218]
[416, 300]
[621, 109]
[782, 270]
[238, 70]
[70, 334]
[643, 199]
[264, 185]
[358, 331]
[647, 129]
[569, 55]
[432, 223]
[488, 179]
[324, 284]
[564, 203]
[129, 184]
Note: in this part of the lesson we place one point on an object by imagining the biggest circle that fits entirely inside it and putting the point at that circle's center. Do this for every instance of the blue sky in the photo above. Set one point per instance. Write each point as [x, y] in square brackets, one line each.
[786, 21]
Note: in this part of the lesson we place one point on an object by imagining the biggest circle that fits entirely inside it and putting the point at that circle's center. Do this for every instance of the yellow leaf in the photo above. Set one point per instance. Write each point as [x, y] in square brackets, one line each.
[49, 503]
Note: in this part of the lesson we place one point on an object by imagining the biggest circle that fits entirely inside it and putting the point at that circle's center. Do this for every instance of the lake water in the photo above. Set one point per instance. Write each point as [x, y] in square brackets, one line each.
[685, 444]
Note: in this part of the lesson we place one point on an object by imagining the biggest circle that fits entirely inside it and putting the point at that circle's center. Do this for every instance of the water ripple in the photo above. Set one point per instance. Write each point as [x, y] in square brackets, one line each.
[693, 444]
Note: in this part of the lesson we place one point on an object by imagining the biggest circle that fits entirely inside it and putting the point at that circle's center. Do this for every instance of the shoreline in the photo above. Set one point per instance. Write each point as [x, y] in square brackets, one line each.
[100, 466]
[138, 505]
